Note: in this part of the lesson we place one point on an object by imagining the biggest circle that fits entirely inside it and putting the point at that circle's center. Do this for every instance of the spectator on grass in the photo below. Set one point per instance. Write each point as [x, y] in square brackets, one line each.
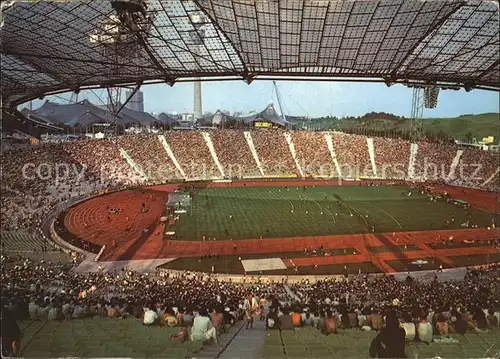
[11, 334]
[217, 318]
[408, 326]
[492, 318]
[424, 329]
[272, 320]
[442, 325]
[203, 329]
[296, 318]
[150, 317]
[377, 320]
[188, 317]
[169, 318]
[329, 324]
[390, 342]
[458, 322]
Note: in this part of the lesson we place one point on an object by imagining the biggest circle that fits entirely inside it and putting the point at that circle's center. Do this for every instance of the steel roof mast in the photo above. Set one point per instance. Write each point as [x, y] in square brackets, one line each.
[280, 102]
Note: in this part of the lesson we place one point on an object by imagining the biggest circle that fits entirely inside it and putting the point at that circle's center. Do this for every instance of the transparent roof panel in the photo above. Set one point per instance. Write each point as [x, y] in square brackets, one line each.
[48, 47]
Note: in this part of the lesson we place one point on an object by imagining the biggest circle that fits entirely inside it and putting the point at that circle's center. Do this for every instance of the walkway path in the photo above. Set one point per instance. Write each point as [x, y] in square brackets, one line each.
[247, 343]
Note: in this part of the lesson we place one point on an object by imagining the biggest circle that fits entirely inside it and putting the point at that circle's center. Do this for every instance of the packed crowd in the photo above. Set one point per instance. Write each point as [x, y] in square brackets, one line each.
[30, 187]
[313, 154]
[392, 157]
[156, 167]
[477, 167]
[273, 152]
[234, 154]
[193, 154]
[426, 311]
[433, 160]
[352, 155]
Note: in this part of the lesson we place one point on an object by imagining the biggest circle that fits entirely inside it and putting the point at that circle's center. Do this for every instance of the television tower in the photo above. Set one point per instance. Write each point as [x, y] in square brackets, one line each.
[197, 108]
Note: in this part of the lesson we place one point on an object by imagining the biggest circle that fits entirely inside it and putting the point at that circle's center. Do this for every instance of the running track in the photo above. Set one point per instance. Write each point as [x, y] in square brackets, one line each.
[138, 234]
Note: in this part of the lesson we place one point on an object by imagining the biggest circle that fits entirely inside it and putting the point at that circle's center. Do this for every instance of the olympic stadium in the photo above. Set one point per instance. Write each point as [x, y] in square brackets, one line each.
[293, 243]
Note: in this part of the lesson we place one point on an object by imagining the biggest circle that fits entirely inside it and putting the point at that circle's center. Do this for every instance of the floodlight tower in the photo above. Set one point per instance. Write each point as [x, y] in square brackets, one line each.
[423, 97]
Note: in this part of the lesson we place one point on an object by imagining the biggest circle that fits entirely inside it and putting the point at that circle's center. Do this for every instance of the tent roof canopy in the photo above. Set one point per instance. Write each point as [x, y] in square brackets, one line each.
[46, 46]
[85, 113]
[269, 114]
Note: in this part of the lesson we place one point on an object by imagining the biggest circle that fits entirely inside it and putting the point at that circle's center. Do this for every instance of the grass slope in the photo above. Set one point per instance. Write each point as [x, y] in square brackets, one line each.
[308, 343]
[482, 125]
[279, 212]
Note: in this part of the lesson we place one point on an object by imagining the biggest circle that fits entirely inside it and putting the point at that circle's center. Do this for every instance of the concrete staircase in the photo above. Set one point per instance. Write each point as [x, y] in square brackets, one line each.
[248, 137]
[132, 164]
[413, 157]
[170, 154]
[371, 151]
[288, 138]
[329, 142]
[211, 147]
[247, 343]
[454, 164]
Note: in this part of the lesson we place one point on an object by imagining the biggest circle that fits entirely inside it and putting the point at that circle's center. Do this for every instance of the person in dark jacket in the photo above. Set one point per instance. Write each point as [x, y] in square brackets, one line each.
[11, 334]
[390, 341]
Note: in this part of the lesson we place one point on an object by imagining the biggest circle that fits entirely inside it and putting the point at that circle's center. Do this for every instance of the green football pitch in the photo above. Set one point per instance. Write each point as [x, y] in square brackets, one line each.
[270, 212]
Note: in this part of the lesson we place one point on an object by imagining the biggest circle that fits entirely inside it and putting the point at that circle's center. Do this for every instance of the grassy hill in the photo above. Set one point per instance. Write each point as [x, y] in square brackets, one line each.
[473, 126]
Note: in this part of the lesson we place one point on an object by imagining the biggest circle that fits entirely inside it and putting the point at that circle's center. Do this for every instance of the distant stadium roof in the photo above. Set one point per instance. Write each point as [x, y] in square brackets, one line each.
[269, 114]
[46, 46]
[22, 122]
[85, 113]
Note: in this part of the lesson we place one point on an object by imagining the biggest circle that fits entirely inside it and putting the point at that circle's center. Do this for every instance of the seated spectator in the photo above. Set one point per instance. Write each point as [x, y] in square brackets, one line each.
[316, 318]
[202, 328]
[285, 320]
[442, 325]
[54, 313]
[217, 318]
[169, 318]
[377, 321]
[479, 319]
[390, 342]
[182, 336]
[113, 311]
[329, 324]
[11, 334]
[353, 318]
[408, 326]
[296, 318]
[491, 318]
[424, 330]
[33, 309]
[307, 320]
[458, 322]
[67, 310]
[150, 317]
[272, 320]
[188, 317]
[180, 317]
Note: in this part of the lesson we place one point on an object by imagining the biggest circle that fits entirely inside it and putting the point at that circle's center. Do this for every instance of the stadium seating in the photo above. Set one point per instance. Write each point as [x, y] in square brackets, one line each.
[90, 166]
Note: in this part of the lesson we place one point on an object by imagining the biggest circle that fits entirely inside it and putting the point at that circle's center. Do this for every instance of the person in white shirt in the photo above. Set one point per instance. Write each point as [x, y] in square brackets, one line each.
[150, 317]
[424, 330]
[202, 328]
[409, 327]
[33, 310]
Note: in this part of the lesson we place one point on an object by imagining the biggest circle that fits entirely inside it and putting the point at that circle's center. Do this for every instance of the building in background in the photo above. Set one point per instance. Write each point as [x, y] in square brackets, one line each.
[136, 102]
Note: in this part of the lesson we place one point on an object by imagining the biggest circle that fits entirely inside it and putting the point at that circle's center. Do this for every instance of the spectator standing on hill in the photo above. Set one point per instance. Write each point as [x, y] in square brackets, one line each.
[390, 342]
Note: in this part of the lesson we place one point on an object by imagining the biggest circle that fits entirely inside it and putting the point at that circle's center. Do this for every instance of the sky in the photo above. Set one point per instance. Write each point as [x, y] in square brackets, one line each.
[313, 99]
